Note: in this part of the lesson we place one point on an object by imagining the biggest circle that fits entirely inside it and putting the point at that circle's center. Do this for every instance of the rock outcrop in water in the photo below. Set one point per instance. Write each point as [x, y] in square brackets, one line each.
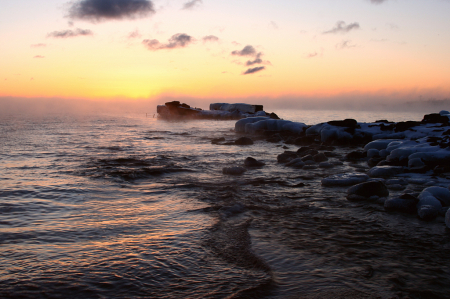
[219, 111]
[409, 152]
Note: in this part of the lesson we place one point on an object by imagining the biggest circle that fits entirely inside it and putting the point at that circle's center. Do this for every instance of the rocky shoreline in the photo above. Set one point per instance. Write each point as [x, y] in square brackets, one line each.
[397, 154]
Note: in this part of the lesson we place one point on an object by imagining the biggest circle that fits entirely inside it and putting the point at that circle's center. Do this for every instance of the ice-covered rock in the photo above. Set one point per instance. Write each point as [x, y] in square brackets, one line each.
[416, 164]
[427, 213]
[373, 152]
[447, 218]
[239, 126]
[427, 199]
[378, 144]
[344, 179]
[440, 193]
[384, 171]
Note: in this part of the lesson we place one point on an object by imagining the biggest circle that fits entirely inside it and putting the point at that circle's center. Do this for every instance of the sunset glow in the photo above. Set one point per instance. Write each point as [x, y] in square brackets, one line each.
[197, 49]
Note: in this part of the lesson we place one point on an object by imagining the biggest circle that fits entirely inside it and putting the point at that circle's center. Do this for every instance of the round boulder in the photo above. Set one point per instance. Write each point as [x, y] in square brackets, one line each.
[297, 162]
[440, 193]
[368, 189]
[384, 171]
[427, 213]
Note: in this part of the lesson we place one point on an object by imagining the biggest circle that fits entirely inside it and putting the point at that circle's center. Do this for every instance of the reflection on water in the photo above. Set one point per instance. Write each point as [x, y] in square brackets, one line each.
[128, 206]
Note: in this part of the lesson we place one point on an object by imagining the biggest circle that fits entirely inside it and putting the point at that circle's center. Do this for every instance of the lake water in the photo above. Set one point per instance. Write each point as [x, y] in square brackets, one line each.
[125, 206]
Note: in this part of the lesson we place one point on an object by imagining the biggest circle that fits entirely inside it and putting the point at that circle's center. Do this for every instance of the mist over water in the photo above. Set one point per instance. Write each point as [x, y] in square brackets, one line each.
[127, 206]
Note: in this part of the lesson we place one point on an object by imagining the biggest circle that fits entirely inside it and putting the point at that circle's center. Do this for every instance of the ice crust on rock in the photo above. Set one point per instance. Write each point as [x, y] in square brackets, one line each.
[384, 171]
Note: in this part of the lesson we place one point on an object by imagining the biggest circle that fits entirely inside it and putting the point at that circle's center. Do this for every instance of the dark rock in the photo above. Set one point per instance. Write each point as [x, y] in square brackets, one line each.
[236, 170]
[356, 155]
[349, 123]
[307, 158]
[435, 118]
[406, 203]
[303, 150]
[274, 138]
[244, 141]
[217, 140]
[330, 154]
[320, 157]
[383, 121]
[297, 163]
[286, 156]
[252, 162]
[305, 140]
[390, 127]
[368, 189]
[285, 147]
[405, 125]
[273, 116]
[374, 161]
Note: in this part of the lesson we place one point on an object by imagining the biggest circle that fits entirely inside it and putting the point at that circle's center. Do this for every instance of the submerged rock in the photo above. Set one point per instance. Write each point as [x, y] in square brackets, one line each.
[405, 203]
[236, 170]
[252, 162]
[297, 162]
[244, 141]
[367, 189]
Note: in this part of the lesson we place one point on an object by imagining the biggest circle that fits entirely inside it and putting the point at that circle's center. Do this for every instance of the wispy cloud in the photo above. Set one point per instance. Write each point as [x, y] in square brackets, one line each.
[345, 44]
[38, 45]
[254, 70]
[341, 27]
[134, 34]
[178, 40]
[70, 33]
[191, 4]
[99, 10]
[273, 25]
[377, 1]
[311, 55]
[210, 38]
[39, 56]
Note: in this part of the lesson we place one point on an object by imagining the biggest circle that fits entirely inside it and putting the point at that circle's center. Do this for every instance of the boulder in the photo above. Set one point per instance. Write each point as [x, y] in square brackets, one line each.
[367, 189]
[384, 171]
[440, 193]
[286, 157]
[406, 203]
[447, 218]
[427, 213]
[297, 162]
[244, 141]
[217, 140]
[349, 123]
[320, 157]
[252, 162]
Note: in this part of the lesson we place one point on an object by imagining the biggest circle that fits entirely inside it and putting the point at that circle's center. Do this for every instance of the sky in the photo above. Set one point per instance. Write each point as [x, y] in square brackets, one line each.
[281, 52]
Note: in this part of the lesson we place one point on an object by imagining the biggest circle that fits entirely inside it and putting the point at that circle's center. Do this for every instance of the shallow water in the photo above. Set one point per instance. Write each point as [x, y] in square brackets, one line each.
[126, 206]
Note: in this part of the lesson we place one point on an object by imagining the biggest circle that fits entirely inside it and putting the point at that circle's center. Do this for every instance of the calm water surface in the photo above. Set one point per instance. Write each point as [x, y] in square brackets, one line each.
[126, 206]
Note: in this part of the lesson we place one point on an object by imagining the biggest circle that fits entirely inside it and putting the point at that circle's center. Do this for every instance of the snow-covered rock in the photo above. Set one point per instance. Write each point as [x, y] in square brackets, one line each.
[384, 171]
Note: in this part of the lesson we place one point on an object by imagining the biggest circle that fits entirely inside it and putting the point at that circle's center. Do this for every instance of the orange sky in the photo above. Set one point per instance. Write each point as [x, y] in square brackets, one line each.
[316, 49]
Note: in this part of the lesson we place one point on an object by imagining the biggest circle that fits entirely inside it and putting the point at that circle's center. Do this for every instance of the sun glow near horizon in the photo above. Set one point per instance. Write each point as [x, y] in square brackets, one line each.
[353, 47]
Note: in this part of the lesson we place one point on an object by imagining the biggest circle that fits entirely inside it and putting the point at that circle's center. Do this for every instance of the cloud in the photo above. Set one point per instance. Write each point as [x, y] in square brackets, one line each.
[70, 33]
[311, 55]
[38, 46]
[178, 40]
[377, 1]
[345, 44]
[210, 38]
[246, 51]
[134, 34]
[99, 10]
[342, 28]
[254, 70]
[257, 60]
[191, 4]
[39, 56]
[273, 25]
